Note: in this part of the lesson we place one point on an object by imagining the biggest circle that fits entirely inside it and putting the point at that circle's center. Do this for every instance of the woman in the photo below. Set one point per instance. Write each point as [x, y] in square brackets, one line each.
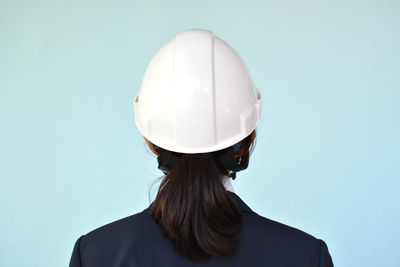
[197, 111]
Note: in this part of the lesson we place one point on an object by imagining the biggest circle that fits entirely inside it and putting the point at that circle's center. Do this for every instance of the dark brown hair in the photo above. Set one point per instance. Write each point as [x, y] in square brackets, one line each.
[192, 206]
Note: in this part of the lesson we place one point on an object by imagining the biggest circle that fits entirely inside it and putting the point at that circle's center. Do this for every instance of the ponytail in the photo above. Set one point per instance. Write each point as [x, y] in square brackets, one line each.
[193, 208]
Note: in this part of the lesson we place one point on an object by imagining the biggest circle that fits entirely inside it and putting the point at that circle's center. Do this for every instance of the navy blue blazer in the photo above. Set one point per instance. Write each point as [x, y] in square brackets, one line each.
[136, 240]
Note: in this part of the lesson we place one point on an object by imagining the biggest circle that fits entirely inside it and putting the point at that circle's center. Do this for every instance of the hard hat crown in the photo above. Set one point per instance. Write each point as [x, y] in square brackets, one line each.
[197, 95]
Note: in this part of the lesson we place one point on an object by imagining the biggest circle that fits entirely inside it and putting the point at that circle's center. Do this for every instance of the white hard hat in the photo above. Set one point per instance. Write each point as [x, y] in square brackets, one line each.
[197, 95]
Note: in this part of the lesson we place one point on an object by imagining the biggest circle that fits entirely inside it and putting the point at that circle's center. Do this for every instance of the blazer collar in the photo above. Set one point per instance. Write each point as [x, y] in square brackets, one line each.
[242, 206]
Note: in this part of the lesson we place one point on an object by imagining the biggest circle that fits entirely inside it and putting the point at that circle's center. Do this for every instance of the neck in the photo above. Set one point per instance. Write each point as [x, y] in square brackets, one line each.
[226, 181]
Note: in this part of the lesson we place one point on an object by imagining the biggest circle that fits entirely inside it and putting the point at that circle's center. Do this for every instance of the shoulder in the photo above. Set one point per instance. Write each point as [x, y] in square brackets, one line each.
[257, 227]
[101, 246]
[120, 224]
[275, 229]
[284, 242]
[118, 232]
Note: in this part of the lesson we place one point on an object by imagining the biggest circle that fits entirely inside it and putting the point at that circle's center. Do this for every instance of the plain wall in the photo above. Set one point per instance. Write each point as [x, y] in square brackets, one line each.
[327, 154]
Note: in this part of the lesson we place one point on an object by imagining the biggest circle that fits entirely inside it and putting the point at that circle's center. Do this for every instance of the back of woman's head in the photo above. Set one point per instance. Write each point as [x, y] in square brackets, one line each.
[198, 110]
[192, 206]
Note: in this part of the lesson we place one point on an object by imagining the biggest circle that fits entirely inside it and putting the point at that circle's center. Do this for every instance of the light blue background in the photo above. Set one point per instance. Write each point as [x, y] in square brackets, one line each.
[327, 154]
